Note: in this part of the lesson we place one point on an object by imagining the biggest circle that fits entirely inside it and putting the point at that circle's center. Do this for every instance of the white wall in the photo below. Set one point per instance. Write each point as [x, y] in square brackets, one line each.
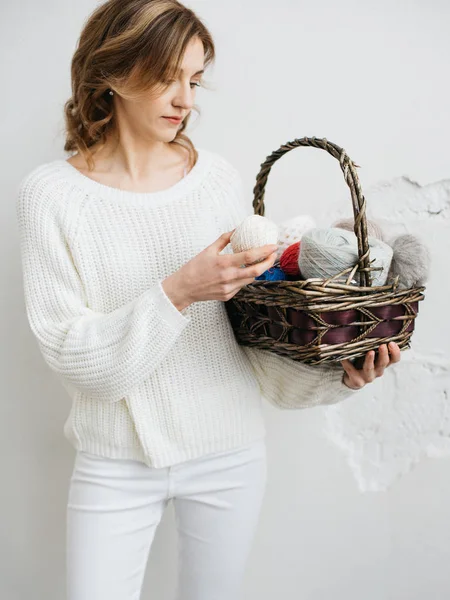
[357, 503]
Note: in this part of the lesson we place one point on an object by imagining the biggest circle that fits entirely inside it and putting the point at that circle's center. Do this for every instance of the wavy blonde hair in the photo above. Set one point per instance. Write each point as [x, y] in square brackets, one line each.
[131, 47]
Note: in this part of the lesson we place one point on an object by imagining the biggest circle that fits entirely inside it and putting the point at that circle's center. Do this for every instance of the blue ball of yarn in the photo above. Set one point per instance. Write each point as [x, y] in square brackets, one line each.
[272, 274]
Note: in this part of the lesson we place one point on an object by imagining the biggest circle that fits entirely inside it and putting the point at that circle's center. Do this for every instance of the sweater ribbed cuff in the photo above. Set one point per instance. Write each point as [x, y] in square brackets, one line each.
[168, 309]
[333, 388]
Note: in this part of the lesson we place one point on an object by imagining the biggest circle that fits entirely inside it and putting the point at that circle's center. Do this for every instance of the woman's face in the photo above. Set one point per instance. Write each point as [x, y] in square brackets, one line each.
[145, 116]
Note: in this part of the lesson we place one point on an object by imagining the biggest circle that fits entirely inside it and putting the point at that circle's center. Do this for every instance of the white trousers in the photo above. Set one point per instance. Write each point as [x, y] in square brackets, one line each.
[115, 505]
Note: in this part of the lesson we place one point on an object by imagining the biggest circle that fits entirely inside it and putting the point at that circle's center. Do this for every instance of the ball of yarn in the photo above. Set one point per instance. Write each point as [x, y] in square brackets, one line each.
[410, 261]
[272, 274]
[327, 252]
[373, 228]
[291, 231]
[252, 232]
[289, 259]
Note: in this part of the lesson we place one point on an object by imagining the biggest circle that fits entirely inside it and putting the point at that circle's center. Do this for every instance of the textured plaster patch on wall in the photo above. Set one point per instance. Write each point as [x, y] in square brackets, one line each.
[404, 416]
[394, 422]
[403, 199]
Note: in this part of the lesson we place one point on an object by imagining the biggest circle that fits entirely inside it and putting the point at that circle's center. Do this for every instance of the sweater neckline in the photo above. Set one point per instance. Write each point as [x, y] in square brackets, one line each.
[178, 189]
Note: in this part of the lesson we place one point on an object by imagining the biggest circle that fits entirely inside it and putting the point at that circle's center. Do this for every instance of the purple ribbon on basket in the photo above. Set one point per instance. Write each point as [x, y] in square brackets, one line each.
[304, 329]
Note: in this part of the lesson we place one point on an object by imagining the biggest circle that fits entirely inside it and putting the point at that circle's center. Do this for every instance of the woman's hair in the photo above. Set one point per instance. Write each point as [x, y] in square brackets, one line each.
[131, 47]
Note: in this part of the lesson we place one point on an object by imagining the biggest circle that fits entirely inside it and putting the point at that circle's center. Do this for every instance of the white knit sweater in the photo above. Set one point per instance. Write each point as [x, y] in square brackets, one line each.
[147, 381]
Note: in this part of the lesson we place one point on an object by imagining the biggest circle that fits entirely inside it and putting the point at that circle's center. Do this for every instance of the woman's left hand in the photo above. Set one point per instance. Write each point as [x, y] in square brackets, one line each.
[356, 379]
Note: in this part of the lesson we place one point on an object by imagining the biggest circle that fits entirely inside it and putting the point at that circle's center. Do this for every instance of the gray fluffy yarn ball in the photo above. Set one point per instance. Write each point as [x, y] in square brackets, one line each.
[410, 261]
[373, 229]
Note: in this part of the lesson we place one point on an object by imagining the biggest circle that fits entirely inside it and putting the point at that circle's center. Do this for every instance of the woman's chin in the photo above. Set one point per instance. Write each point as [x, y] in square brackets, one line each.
[168, 134]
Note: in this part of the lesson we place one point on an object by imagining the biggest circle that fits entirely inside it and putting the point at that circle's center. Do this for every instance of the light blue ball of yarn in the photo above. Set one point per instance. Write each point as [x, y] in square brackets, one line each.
[272, 274]
[326, 252]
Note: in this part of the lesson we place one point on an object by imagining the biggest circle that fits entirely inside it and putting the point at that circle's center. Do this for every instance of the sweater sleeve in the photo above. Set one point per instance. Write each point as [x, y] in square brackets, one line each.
[290, 384]
[104, 355]
[286, 383]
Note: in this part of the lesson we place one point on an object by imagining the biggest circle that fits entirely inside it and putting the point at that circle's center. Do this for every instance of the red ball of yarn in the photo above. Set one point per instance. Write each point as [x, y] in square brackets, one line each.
[289, 259]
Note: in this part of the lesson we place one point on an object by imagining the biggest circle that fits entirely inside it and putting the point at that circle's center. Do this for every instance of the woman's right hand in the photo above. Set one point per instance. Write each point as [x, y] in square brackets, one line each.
[213, 276]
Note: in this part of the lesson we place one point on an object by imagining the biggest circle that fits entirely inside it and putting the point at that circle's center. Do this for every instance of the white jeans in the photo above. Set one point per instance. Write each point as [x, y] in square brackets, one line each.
[114, 507]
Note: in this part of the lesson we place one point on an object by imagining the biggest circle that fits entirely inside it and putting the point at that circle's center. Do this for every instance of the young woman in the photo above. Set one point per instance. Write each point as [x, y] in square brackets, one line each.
[126, 267]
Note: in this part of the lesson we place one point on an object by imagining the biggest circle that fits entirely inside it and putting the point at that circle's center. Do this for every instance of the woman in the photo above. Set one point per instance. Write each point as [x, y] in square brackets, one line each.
[126, 267]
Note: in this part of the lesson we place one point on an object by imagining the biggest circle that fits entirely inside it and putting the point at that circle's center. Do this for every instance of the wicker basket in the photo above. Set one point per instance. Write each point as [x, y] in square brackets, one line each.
[323, 321]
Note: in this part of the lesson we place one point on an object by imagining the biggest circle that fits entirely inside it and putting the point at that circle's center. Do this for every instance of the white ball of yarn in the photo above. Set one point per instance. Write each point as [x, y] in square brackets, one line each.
[292, 230]
[326, 252]
[252, 232]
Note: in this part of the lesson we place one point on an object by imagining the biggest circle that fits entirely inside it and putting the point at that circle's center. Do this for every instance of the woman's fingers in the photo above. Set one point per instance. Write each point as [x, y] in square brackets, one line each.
[246, 271]
[348, 367]
[387, 355]
[254, 255]
[368, 369]
[382, 360]
[395, 352]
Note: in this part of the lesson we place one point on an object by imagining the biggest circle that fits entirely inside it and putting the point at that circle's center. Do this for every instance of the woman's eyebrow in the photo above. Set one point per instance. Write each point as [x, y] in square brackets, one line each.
[198, 72]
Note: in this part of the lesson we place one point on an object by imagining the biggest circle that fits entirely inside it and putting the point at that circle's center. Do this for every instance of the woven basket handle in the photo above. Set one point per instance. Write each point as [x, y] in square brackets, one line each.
[348, 167]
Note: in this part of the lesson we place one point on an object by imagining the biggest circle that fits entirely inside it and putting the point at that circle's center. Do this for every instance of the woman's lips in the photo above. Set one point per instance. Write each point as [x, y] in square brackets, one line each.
[174, 121]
